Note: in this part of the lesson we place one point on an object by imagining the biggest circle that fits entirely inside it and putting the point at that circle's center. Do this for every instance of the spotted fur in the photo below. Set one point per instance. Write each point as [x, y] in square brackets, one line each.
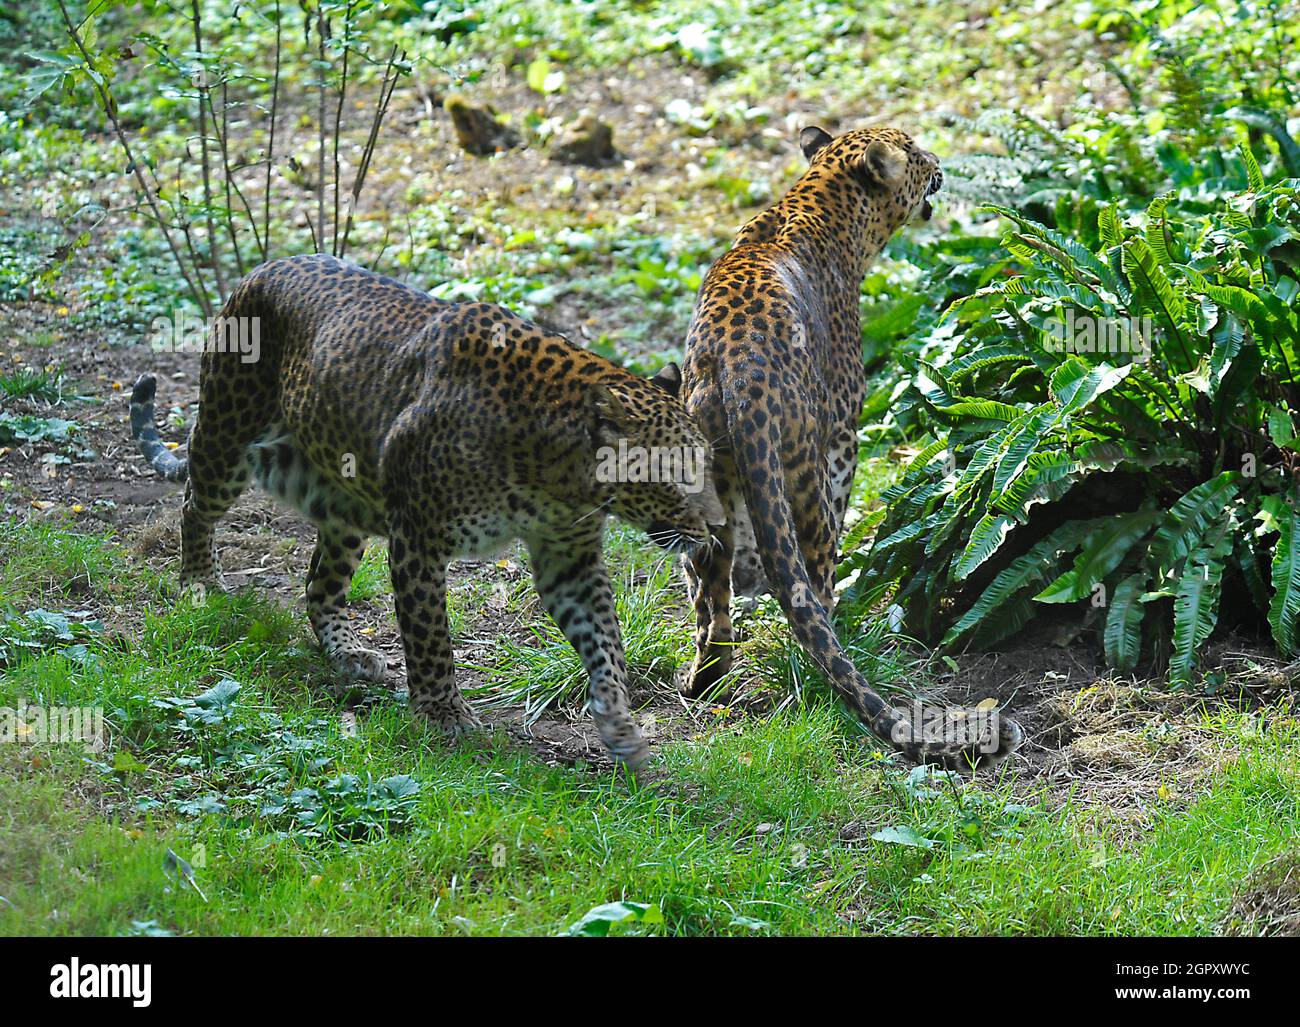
[774, 375]
[449, 428]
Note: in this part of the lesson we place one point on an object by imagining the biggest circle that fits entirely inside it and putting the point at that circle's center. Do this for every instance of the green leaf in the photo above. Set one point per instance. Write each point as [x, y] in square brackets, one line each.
[1150, 282]
[1043, 475]
[985, 539]
[1158, 227]
[1254, 176]
[1285, 608]
[904, 835]
[220, 696]
[1029, 570]
[596, 922]
[1189, 519]
[1109, 225]
[541, 79]
[983, 358]
[1106, 548]
[124, 762]
[1248, 562]
[984, 409]
[1075, 384]
[1122, 638]
[1196, 604]
[1280, 428]
[934, 387]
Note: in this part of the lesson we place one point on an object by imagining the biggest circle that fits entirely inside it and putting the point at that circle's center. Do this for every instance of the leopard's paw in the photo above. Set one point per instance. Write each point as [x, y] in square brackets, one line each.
[195, 591]
[454, 718]
[358, 663]
[624, 740]
[702, 677]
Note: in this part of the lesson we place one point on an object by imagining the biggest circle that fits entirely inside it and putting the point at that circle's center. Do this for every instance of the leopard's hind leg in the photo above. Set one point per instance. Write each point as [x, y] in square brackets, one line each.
[237, 403]
[709, 573]
[333, 563]
[219, 471]
[841, 465]
[812, 504]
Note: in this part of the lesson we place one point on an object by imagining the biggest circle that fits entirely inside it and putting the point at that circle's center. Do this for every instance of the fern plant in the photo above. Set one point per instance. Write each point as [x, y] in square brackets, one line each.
[1113, 427]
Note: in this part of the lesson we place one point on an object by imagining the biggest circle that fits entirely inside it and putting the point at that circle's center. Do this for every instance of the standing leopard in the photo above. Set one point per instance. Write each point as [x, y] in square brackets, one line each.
[774, 375]
[450, 428]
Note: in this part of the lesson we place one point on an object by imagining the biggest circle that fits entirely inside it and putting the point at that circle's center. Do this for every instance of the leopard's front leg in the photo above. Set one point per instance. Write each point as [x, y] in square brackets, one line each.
[418, 562]
[574, 588]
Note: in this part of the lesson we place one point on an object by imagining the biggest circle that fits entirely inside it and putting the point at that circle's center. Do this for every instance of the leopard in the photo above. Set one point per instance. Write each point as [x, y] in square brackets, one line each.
[450, 429]
[773, 373]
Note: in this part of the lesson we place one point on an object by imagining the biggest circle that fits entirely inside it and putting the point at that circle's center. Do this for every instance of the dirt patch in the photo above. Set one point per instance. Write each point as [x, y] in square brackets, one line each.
[1115, 744]
[1269, 904]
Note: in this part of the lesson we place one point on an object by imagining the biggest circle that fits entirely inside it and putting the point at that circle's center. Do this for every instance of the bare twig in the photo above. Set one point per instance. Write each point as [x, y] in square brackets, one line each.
[184, 227]
[228, 174]
[322, 30]
[270, 145]
[338, 118]
[391, 75]
[204, 102]
[231, 182]
[110, 112]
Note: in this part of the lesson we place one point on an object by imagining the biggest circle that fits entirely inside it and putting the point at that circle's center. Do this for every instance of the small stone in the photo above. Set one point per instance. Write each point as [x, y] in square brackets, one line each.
[477, 129]
[589, 141]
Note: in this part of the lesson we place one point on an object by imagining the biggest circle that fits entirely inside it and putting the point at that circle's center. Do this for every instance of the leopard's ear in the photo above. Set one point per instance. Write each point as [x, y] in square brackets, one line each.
[812, 139]
[608, 407]
[669, 379]
[884, 163]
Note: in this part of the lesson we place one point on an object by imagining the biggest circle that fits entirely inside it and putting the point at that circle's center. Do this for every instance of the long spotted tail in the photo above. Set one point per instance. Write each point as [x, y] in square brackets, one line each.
[969, 740]
[155, 451]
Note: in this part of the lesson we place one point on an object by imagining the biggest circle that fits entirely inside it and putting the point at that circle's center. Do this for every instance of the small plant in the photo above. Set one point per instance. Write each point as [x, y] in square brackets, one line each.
[962, 829]
[601, 920]
[31, 428]
[348, 807]
[1139, 483]
[371, 578]
[29, 383]
[37, 631]
[213, 224]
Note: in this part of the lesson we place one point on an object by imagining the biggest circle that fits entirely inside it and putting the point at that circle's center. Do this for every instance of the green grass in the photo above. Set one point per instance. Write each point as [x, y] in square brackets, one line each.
[542, 671]
[28, 383]
[752, 826]
[371, 578]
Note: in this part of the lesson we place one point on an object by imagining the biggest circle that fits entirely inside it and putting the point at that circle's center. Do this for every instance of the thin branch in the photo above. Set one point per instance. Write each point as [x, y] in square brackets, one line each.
[270, 146]
[338, 118]
[215, 256]
[229, 177]
[322, 28]
[187, 235]
[106, 103]
[391, 75]
[231, 182]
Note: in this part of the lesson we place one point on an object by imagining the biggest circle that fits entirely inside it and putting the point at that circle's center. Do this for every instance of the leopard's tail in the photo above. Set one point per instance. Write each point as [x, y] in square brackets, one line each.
[155, 451]
[972, 739]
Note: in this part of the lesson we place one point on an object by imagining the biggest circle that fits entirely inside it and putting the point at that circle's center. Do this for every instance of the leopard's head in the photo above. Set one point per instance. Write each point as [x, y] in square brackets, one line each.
[653, 464]
[882, 169]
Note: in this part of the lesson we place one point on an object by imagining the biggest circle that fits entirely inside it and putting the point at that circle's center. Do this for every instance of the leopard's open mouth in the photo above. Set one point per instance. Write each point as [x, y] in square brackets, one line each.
[926, 210]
